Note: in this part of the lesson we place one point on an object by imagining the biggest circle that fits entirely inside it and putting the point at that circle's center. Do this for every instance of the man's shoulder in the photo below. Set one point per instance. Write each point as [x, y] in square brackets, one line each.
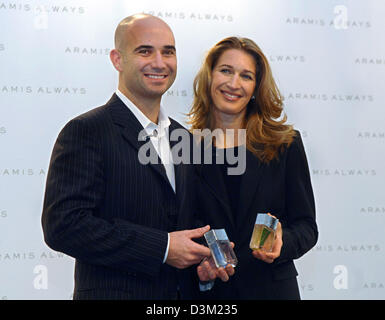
[94, 119]
[92, 114]
[99, 113]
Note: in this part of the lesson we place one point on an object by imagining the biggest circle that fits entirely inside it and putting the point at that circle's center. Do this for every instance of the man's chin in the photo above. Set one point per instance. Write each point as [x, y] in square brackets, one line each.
[157, 90]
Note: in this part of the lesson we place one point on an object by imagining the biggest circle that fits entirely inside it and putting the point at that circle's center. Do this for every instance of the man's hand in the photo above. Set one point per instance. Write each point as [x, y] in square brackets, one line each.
[208, 271]
[184, 252]
[269, 257]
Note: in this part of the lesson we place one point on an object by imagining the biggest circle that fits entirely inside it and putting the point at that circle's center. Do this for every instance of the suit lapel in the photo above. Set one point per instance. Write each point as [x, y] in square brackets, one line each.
[172, 127]
[130, 129]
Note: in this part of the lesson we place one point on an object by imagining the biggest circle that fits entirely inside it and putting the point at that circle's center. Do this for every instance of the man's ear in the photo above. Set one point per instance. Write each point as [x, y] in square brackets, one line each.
[116, 59]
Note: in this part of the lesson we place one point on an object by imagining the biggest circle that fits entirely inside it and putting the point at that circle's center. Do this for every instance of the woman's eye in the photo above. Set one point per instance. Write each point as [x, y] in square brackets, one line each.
[247, 77]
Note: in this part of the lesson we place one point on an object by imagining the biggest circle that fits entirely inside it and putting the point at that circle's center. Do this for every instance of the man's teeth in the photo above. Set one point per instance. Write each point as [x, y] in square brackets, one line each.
[155, 77]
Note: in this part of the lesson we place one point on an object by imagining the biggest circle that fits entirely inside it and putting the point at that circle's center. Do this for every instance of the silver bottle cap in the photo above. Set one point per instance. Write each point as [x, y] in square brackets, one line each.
[215, 235]
[267, 220]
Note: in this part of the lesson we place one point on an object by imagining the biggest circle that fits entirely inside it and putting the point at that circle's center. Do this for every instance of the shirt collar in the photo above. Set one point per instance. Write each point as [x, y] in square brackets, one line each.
[163, 119]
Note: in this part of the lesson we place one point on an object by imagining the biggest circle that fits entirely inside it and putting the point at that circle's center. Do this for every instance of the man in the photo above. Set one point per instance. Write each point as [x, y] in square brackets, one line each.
[117, 217]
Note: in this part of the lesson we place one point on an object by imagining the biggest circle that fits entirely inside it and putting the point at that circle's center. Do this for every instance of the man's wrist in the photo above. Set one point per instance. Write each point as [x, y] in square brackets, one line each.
[168, 245]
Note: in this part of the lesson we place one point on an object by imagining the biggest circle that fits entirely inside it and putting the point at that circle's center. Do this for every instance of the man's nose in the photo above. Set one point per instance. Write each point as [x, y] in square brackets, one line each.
[158, 62]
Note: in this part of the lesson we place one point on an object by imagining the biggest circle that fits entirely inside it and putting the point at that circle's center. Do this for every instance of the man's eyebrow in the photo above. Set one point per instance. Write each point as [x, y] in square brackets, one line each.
[143, 47]
[148, 47]
[170, 47]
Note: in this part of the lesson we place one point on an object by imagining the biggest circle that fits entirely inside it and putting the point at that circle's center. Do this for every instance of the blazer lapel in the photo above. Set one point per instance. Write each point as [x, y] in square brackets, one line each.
[212, 176]
[249, 186]
[131, 127]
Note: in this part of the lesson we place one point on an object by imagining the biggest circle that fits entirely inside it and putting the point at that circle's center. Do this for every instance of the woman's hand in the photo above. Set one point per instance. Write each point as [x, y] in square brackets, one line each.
[269, 257]
[208, 271]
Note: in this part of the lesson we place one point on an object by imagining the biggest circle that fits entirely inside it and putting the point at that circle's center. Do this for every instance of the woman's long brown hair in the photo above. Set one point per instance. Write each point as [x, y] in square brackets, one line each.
[266, 134]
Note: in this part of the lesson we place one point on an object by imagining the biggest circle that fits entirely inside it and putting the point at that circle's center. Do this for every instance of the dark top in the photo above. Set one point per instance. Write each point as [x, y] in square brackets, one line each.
[283, 188]
[231, 181]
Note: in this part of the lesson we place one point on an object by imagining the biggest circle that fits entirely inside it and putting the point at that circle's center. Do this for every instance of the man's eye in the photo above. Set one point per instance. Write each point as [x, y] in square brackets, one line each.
[169, 52]
[144, 51]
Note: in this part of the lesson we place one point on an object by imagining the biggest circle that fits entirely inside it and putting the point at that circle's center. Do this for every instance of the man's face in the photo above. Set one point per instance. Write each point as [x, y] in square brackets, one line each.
[149, 62]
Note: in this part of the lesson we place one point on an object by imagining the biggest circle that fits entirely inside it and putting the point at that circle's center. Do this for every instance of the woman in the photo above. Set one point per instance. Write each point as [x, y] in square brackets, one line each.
[235, 90]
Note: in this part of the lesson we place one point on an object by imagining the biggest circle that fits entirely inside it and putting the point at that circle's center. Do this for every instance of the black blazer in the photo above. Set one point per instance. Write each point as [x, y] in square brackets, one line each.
[283, 188]
[108, 211]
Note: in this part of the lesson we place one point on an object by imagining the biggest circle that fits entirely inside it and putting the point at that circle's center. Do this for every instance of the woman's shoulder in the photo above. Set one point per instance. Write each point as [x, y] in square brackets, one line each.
[293, 146]
[296, 139]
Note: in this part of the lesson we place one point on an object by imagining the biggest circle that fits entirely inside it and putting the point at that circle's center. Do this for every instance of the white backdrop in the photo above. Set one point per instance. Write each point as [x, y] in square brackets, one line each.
[328, 58]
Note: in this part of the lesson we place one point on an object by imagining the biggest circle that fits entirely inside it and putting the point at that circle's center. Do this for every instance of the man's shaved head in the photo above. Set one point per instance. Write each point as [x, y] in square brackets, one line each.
[145, 57]
[125, 26]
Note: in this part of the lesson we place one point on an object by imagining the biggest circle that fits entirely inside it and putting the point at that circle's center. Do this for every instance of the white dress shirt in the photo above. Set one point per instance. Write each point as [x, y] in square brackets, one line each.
[159, 136]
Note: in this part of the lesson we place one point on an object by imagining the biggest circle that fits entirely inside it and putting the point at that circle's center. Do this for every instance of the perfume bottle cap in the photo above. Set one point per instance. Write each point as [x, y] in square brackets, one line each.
[215, 235]
[267, 220]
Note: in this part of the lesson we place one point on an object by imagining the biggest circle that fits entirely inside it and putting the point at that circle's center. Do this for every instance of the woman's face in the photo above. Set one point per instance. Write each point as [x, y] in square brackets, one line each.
[233, 82]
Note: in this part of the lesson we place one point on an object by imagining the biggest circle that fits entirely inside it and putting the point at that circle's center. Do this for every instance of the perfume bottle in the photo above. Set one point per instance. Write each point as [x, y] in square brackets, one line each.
[264, 232]
[220, 248]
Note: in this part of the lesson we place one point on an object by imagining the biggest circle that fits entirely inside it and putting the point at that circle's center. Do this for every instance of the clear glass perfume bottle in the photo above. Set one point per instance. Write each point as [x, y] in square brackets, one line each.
[220, 248]
[264, 232]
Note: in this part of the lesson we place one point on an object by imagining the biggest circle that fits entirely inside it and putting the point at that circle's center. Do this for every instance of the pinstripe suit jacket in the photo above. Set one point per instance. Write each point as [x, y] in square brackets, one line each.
[110, 212]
